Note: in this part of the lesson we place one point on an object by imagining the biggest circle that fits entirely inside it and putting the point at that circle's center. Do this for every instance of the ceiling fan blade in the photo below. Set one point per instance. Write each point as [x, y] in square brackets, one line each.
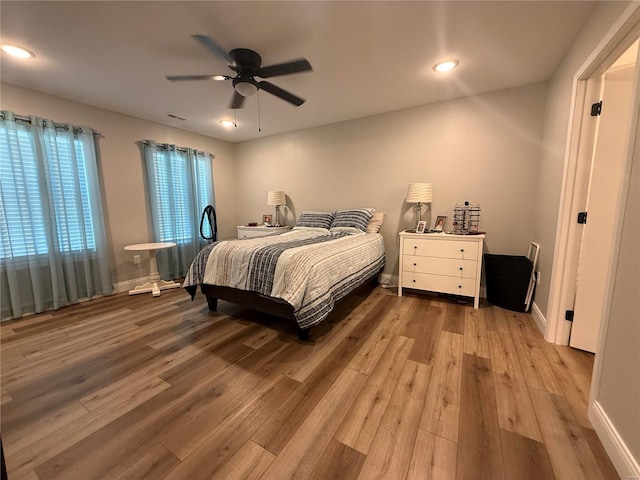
[178, 78]
[280, 93]
[236, 100]
[287, 68]
[211, 45]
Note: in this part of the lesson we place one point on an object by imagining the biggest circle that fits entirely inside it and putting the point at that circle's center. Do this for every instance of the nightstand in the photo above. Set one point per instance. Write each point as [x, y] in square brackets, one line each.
[440, 262]
[260, 231]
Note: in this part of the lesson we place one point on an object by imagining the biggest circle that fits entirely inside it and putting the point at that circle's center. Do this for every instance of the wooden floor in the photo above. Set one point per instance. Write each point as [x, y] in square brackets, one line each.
[395, 388]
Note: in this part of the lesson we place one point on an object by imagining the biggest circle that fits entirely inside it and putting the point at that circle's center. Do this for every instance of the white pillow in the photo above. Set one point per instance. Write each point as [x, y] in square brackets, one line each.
[375, 223]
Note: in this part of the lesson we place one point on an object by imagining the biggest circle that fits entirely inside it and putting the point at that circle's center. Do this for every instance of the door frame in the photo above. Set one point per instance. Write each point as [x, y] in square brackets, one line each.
[564, 271]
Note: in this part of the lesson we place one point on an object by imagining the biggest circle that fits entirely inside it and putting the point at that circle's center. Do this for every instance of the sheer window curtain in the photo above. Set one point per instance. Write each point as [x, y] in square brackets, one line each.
[180, 186]
[53, 249]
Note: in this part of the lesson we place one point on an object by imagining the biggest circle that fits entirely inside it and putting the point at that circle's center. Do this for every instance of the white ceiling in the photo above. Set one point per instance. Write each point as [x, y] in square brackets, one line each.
[367, 57]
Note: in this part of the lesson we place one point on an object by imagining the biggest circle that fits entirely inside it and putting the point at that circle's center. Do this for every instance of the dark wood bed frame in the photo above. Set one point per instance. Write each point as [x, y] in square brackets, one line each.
[262, 303]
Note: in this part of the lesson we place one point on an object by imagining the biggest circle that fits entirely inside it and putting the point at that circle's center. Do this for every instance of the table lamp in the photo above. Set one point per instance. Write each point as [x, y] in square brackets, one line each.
[277, 198]
[419, 193]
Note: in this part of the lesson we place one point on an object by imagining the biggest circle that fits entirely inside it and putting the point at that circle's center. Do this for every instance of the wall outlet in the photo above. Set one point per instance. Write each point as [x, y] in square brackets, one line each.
[538, 278]
[136, 259]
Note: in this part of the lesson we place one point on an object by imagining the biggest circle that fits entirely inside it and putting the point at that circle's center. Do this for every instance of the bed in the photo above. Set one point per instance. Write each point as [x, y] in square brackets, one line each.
[298, 275]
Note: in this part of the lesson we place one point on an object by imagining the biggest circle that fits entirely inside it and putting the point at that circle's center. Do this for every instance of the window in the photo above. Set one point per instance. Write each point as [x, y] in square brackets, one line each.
[171, 183]
[68, 175]
[203, 188]
[53, 246]
[24, 180]
[180, 185]
[181, 188]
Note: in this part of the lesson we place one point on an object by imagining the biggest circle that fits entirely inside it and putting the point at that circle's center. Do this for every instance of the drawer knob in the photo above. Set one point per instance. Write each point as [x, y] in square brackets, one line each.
[462, 250]
[415, 246]
[459, 286]
[415, 264]
[460, 268]
[414, 280]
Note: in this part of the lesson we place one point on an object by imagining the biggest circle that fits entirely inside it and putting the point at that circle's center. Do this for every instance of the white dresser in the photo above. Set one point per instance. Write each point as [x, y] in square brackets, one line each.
[440, 262]
[261, 231]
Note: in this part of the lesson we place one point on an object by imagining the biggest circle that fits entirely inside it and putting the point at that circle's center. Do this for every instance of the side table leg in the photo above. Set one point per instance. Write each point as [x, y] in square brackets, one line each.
[154, 285]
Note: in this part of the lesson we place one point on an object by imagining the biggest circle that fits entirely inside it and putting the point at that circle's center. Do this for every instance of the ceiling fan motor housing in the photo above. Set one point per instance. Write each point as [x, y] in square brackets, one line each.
[246, 61]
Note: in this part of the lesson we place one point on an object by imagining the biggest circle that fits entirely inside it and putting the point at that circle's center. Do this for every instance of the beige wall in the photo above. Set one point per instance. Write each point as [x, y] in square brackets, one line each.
[556, 121]
[618, 387]
[483, 149]
[121, 169]
[619, 390]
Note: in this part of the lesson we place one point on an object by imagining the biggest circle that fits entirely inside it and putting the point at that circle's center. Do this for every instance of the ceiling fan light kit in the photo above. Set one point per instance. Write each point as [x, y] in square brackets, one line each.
[247, 65]
[245, 87]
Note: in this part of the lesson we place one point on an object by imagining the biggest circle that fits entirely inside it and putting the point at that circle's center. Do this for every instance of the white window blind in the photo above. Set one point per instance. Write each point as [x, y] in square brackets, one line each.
[182, 188]
[204, 193]
[23, 181]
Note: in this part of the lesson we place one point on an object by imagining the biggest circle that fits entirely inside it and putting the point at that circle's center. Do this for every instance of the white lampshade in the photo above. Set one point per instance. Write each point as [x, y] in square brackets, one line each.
[246, 89]
[276, 197]
[419, 193]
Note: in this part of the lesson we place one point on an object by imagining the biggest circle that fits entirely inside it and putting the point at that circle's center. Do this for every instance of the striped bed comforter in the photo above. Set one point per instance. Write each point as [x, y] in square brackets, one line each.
[307, 268]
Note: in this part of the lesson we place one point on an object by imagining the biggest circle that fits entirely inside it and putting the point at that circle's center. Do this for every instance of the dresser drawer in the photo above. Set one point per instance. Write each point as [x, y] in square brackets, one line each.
[425, 247]
[440, 266]
[439, 283]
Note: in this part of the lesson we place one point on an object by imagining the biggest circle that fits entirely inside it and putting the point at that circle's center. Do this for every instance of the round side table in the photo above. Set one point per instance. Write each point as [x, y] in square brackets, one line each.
[155, 284]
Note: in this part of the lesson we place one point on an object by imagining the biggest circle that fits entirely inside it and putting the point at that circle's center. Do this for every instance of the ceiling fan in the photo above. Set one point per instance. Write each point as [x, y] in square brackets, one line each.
[246, 63]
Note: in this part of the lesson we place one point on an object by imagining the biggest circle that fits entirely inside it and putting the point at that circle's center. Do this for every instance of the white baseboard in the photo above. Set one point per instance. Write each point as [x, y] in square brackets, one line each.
[620, 455]
[129, 284]
[541, 322]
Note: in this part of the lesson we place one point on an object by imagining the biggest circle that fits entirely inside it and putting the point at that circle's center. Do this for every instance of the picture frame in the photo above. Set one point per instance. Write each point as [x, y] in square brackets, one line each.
[266, 219]
[438, 226]
[422, 225]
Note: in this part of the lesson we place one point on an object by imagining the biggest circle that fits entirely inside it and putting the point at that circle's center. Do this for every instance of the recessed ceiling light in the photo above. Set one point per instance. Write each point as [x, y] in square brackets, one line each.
[227, 123]
[18, 52]
[445, 65]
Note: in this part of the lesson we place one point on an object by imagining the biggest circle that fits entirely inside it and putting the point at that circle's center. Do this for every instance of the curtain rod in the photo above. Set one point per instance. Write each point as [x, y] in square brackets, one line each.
[179, 149]
[55, 125]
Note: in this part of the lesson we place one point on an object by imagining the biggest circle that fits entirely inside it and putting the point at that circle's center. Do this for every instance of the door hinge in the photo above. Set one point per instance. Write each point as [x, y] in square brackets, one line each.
[596, 109]
[582, 217]
[568, 315]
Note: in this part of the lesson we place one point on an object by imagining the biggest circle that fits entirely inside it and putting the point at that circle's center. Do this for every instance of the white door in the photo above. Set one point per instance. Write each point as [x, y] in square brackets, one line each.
[607, 166]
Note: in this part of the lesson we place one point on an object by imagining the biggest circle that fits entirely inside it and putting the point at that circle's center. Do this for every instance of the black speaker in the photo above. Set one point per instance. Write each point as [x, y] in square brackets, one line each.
[507, 280]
